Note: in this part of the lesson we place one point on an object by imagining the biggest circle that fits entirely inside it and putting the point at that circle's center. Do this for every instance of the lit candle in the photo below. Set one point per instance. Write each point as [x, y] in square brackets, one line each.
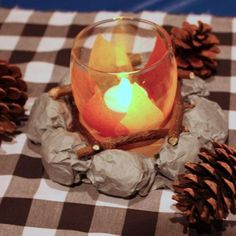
[140, 112]
[115, 106]
[118, 98]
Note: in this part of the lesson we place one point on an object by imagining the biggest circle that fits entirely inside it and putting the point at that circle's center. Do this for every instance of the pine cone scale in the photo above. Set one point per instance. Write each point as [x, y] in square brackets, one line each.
[205, 27]
[7, 80]
[3, 68]
[208, 168]
[13, 93]
[212, 202]
[225, 167]
[211, 40]
[15, 108]
[196, 62]
[229, 204]
[14, 71]
[211, 185]
[208, 54]
[182, 208]
[2, 93]
[7, 126]
[205, 157]
[21, 85]
[230, 185]
[192, 177]
[229, 149]
[189, 191]
[204, 213]
[182, 63]
[200, 36]
[182, 44]
[4, 109]
[196, 43]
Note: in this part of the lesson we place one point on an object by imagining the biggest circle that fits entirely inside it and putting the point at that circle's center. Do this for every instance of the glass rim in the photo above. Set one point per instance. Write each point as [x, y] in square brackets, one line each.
[125, 18]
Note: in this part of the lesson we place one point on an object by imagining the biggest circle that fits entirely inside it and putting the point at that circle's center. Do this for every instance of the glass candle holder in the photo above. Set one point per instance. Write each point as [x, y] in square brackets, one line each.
[124, 76]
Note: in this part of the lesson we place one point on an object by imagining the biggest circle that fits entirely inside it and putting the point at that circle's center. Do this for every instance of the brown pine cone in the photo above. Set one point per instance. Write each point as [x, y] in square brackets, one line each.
[12, 99]
[196, 48]
[208, 190]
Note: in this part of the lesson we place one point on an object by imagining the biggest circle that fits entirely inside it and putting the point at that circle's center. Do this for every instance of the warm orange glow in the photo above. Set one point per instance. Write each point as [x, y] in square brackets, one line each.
[132, 99]
[118, 98]
[142, 113]
[108, 57]
[112, 105]
[99, 117]
[83, 89]
[161, 83]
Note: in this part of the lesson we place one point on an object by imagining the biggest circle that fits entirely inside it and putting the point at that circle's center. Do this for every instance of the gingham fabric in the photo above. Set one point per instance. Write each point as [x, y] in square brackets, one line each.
[30, 203]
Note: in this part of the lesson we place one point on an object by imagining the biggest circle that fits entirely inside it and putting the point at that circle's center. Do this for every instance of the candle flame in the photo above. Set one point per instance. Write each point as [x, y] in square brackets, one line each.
[141, 113]
[118, 98]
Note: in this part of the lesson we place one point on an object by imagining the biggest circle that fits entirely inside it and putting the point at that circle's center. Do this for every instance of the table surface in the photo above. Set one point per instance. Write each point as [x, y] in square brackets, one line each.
[30, 203]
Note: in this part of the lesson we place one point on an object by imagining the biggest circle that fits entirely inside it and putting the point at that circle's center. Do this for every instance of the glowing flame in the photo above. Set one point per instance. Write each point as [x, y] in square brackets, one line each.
[140, 112]
[118, 98]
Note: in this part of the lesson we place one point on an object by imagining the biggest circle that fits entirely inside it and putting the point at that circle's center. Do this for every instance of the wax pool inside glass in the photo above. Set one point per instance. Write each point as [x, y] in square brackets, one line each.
[118, 105]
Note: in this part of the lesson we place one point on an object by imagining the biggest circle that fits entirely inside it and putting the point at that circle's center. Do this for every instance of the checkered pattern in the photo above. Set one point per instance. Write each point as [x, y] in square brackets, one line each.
[30, 203]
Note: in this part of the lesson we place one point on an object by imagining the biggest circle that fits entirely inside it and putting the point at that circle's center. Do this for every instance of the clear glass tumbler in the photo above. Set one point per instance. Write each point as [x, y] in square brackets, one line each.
[124, 76]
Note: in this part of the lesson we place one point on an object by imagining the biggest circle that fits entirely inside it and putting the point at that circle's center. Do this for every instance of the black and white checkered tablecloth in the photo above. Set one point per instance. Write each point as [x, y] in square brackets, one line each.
[30, 203]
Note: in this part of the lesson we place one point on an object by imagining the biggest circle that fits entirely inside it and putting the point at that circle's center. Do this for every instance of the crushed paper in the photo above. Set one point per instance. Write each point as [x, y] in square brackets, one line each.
[59, 156]
[116, 172]
[195, 86]
[206, 121]
[47, 113]
[121, 173]
[47, 127]
[171, 159]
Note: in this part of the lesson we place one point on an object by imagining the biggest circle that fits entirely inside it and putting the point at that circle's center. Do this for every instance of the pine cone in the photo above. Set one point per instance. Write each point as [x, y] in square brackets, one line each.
[195, 49]
[12, 99]
[207, 192]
